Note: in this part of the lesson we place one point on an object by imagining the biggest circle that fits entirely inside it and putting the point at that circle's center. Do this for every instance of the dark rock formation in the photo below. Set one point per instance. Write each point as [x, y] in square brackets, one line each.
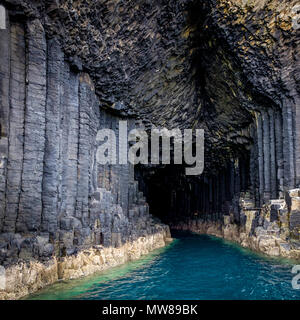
[55, 198]
[69, 68]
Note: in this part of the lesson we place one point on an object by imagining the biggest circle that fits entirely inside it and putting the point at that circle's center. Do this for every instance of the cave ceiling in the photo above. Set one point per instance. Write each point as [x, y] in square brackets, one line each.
[188, 64]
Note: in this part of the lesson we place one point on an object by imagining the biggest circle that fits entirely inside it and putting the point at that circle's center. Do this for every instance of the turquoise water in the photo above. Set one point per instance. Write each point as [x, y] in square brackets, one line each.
[191, 267]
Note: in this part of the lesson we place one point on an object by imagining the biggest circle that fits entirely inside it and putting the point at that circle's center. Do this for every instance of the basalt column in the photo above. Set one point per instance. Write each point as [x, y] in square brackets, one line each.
[279, 153]
[288, 143]
[297, 139]
[273, 175]
[266, 150]
[274, 161]
[4, 119]
[260, 156]
[16, 126]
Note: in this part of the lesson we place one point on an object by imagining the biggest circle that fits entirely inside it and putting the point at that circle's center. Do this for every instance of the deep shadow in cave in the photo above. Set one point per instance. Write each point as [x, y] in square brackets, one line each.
[173, 196]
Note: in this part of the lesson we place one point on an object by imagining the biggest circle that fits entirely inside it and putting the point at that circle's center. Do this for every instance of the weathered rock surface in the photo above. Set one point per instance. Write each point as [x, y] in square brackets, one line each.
[69, 68]
[25, 278]
[271, 230]
[214, 64]
[56, 199]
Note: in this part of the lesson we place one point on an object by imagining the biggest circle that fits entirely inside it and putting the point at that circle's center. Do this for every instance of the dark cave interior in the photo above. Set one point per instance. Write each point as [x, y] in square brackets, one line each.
[174, 197]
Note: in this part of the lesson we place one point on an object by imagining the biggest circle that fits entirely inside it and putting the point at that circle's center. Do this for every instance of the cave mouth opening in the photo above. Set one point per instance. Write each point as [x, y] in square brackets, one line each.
[220, 95]
[245, 133]
[174, 197]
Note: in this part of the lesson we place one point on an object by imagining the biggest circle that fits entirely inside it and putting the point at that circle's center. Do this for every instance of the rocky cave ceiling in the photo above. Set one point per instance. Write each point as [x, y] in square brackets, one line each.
[189, 64]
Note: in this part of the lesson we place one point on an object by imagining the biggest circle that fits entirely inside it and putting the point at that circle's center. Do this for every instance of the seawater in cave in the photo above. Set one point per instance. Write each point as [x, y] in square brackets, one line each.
[73, 70]
[187, 269]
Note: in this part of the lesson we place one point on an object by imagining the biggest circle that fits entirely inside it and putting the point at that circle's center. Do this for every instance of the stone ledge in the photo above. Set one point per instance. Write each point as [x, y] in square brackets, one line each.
[26, 278]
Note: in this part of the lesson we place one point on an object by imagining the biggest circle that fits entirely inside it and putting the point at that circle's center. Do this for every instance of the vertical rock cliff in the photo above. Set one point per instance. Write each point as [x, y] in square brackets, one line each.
[56, 200]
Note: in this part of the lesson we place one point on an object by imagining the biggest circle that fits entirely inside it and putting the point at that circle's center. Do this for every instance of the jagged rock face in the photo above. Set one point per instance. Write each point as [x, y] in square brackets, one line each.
[264, 47]
[272, 230]
[207, 64]
[55, 198]
[137, 52]
[264, 42]
[230, 67]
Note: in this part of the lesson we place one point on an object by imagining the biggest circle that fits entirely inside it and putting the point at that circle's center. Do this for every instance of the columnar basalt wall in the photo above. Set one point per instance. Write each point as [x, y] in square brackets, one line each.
[276, 154]
[247, 59]
[56, 200]
[68, 69]
[263, 40]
